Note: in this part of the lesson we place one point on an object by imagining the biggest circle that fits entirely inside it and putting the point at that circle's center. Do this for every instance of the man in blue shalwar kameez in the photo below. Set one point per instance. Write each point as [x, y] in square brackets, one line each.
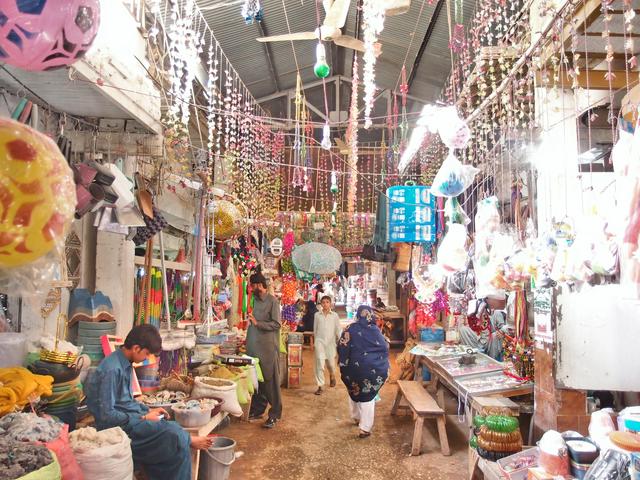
[161, 447]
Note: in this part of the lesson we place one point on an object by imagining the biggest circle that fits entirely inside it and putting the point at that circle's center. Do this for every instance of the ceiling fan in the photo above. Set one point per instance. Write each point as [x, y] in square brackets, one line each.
[335, 18]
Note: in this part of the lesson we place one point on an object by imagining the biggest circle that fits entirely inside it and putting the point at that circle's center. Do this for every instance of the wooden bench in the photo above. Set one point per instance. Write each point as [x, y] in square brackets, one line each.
[423, 405]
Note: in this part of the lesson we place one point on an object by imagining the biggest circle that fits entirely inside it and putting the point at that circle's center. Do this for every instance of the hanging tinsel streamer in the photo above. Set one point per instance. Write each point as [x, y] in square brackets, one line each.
[298, 174]
[458, 41]
[352, 139]
[373, 12]
[404, 123]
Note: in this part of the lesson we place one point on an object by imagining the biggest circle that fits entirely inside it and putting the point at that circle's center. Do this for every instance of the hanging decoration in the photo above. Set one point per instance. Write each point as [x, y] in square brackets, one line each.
[298, 174]
[185, 44]
[334, 182]
[252, 11]
[373, 12]
[212, 104]
[37, 195]
[45, 35]
[185, 47]
[352, 139]
[404, 122]
[321, 67]
[458, 41]
[326, 137]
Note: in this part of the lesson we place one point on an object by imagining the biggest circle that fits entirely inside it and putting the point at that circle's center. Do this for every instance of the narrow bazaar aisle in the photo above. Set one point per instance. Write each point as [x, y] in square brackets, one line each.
[316, 440]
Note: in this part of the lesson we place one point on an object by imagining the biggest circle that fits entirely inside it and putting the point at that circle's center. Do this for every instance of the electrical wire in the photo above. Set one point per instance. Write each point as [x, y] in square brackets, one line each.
[413, 34]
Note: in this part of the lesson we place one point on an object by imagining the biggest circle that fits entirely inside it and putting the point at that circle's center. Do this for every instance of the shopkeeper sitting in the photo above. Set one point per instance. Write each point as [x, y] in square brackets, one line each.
[159, 446]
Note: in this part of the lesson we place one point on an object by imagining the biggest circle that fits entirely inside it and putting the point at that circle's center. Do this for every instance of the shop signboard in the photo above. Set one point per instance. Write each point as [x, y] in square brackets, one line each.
[412, 214]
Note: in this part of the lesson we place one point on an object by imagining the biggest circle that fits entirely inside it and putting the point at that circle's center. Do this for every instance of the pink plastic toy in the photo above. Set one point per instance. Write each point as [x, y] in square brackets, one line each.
[45, 34]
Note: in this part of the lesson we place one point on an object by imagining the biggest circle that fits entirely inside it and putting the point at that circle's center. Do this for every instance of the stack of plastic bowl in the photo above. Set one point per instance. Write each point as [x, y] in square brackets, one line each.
[89, 337]
[149, 378]
[64, 402]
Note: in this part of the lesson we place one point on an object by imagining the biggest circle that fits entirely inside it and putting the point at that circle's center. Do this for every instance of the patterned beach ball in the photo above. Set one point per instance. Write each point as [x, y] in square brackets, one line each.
[37, 194]
[45, 34]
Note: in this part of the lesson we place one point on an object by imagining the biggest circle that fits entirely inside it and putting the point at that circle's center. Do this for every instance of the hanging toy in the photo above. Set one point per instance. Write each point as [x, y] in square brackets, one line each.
[37, 195]
[47, 34]
[334, 182]
[334, 214]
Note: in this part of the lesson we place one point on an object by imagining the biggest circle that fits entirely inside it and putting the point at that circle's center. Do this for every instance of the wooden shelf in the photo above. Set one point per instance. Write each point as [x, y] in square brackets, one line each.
[180, 266]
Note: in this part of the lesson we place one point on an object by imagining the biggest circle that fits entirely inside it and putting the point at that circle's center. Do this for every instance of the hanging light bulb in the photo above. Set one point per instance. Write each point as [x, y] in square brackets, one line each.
[321, 68]
[326, 137]
[334, 182]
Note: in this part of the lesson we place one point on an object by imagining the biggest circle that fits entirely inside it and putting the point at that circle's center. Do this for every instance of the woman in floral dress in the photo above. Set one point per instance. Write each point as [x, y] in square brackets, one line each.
[364, 365]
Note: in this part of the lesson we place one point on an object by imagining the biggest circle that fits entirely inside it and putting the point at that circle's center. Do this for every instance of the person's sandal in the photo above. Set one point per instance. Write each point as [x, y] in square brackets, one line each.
[318, 391]
[363, 434]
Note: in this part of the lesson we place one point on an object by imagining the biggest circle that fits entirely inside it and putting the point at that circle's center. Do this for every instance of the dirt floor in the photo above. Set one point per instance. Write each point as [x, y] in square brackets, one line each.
[316, 440]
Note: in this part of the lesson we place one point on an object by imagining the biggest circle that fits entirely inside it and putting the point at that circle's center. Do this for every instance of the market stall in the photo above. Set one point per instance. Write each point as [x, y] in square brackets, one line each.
[469, 170]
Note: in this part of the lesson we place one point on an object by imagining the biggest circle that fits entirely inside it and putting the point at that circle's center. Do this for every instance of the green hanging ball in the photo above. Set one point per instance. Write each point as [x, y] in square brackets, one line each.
[321, 69]
[334, 188]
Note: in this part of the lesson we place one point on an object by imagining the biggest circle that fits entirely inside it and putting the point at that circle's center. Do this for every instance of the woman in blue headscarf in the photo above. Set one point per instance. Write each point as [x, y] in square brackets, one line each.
[364, 364]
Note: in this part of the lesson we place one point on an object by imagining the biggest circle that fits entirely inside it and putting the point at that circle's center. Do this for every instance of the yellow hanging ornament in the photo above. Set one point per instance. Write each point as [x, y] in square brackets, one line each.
[37, 194]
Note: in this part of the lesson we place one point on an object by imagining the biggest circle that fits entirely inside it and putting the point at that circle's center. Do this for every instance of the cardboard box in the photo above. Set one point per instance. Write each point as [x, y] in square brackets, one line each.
[294, 377]
[294, 358]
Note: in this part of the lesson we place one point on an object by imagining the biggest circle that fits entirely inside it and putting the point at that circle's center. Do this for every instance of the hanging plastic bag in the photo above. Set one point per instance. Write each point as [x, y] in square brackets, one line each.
[487, 219]
[454, 131]
[453, 177]
[452, 255]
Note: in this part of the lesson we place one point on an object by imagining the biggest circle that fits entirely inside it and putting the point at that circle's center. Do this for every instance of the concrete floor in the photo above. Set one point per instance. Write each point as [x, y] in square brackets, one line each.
[316, 440]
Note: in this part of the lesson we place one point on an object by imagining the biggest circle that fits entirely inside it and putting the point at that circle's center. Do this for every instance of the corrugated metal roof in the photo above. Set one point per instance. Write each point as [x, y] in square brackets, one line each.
[248, 57]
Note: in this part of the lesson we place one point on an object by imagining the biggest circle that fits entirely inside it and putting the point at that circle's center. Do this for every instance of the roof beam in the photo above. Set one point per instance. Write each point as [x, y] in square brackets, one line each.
[425, 41]
[262, 30]
[315, 110]
[307, 86]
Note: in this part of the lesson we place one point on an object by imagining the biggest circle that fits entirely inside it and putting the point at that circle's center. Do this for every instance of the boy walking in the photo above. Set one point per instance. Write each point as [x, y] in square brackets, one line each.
[326, 332]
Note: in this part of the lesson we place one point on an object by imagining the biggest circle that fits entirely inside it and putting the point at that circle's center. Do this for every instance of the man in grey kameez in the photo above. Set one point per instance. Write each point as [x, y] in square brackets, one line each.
[263, 342]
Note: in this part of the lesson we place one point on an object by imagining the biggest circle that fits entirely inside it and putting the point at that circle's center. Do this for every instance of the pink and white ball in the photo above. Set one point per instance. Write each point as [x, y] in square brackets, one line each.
[46, 34]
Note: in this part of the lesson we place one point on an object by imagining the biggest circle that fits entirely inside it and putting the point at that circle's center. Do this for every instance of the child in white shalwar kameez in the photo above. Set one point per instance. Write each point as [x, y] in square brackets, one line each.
[326, 332]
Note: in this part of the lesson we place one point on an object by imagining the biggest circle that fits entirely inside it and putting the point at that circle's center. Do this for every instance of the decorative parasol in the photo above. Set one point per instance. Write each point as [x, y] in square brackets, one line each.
[318, 258]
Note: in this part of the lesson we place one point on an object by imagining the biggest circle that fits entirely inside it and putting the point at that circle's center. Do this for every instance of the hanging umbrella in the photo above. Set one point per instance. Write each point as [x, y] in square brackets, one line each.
[318, 258]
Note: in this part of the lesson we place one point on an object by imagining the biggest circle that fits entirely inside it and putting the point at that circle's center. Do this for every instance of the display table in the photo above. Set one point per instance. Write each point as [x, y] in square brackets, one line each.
[471, 383]
[203, 432]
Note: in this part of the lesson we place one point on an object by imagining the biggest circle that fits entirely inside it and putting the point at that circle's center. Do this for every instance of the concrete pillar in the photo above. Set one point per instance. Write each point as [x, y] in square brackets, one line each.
[115, 275]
